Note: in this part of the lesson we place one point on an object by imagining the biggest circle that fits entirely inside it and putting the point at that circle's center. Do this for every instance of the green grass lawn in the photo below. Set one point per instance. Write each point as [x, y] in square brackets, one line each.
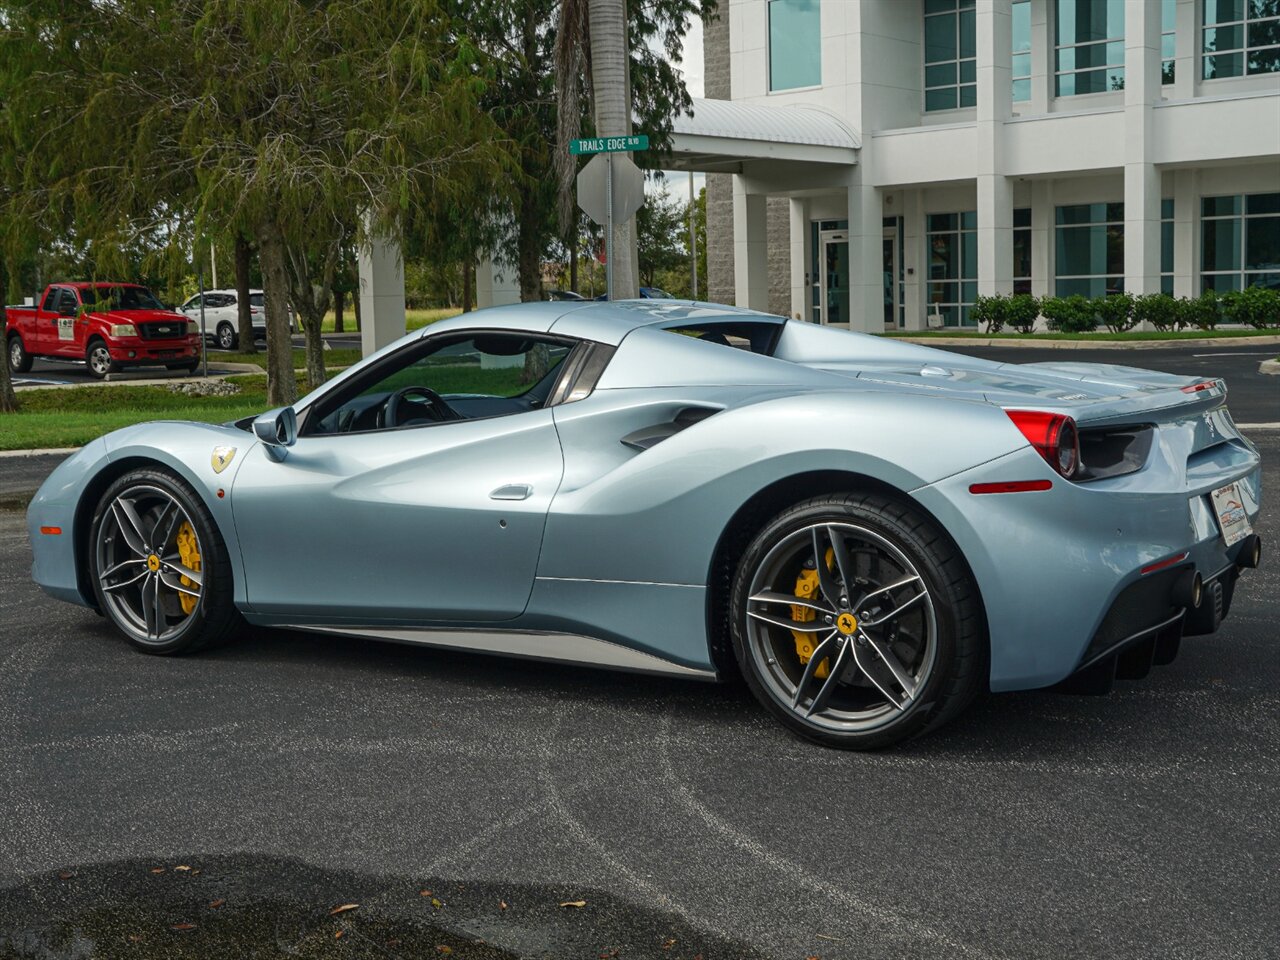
[1136, 335]
[333, 359]
[414, 319]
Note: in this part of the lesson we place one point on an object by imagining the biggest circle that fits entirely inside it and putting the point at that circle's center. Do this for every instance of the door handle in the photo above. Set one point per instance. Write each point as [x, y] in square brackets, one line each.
[512, 491]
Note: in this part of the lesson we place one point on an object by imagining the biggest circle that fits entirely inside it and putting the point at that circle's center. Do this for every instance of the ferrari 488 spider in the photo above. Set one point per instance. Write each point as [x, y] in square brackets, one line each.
[870, 532]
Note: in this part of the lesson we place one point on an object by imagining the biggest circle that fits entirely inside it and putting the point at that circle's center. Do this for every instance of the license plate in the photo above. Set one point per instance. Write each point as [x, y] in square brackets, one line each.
[166, 354]
[1228, 507]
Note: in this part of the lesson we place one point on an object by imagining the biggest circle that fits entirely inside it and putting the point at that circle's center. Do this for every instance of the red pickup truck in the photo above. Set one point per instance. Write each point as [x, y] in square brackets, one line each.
[107, 325]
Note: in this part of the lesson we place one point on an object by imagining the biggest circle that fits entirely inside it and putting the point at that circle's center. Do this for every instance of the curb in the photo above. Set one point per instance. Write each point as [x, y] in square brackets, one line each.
[1270, 366]
[1266, 340]
[48, 451]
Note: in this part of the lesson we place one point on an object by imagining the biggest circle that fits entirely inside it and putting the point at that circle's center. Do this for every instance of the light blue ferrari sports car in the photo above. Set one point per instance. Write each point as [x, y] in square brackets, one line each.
[869, 532]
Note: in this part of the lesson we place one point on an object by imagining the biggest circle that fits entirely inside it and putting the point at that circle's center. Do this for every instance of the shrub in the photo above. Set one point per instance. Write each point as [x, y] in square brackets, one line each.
[1203, 311]
[1073, 314]
[1021, 312]
[991, 311]
[1158, 309]
[1116, 311]
[1254, 306]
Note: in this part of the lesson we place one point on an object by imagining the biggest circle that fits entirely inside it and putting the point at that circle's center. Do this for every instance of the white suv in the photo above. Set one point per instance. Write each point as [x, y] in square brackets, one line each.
[221, 319]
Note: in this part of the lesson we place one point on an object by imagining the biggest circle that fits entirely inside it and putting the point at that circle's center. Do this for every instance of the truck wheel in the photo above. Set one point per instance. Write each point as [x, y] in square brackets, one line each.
[98, 357]
[19, 359]
[227, 338]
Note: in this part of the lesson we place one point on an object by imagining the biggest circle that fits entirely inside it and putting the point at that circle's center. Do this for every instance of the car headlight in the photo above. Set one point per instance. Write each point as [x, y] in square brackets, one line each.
[123, 330]
[193, 327]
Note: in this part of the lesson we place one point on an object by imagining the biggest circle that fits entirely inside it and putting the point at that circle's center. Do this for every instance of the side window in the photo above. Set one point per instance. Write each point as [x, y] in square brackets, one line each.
[468, 377]
[51, 299]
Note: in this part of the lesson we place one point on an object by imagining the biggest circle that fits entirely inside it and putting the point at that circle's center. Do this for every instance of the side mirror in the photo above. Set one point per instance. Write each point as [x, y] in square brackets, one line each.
[277, 429]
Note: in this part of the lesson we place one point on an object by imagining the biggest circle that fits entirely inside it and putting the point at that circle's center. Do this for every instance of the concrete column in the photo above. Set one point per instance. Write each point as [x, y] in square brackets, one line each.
[995, 192]
[1041, 59]
[497, 284]
[1187, 40]
[750, 248]
[913, 262]
[381, 293]
[866, 256]
[800, 259]
[1186, 232]
[1042, 223]
[1141, 178]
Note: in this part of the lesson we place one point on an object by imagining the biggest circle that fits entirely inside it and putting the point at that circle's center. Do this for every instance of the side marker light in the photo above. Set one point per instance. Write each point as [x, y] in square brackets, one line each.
[1011, 486]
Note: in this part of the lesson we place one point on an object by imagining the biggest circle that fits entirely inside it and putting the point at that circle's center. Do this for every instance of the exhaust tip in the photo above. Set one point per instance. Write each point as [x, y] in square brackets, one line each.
[1250, 553]
[1188, 591]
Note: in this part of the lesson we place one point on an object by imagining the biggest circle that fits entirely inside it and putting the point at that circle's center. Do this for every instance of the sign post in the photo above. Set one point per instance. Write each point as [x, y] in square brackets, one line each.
[605, 199]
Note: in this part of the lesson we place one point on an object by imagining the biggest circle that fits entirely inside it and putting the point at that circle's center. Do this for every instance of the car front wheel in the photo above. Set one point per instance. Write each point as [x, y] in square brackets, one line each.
[227, 338]
[160, 569]
[856, 622]
[98, 358]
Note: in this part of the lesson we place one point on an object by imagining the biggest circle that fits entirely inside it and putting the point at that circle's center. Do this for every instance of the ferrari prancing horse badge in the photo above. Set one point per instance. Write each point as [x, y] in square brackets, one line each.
[222, 456]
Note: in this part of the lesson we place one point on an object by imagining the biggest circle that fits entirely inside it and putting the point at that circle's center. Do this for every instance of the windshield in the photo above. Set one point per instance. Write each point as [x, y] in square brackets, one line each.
[120, 298]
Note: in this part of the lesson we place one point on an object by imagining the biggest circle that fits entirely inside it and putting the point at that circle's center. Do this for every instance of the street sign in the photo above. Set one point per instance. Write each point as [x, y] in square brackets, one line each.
[639, 141]
[593, 191]
[610, 191]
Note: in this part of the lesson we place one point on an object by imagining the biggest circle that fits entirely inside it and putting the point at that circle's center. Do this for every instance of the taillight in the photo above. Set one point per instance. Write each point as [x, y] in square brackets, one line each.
[1053, 435]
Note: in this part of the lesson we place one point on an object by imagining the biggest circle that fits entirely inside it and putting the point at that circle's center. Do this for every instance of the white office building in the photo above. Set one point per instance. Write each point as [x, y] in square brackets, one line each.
[883, 162]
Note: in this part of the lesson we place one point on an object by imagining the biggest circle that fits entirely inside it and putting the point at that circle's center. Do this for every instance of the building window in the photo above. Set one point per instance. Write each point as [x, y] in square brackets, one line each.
[1240, 242]
[1166, 245]
[950, 51]
[1021, 50]
[953, 266]
[1089, 249]
[1022, 250]
[1240, 37]
[1089, 51]
[1168, 39]
[795, 44]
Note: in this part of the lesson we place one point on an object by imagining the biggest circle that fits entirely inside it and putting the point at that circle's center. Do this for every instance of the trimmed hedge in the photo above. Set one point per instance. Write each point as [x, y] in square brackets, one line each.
[1255, 306]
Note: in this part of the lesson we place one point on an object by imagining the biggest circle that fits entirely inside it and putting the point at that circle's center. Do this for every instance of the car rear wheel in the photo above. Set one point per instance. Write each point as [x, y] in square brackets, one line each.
[160, 569]
[98, 358]
[227, 337]
[19, 359]
[856, 622]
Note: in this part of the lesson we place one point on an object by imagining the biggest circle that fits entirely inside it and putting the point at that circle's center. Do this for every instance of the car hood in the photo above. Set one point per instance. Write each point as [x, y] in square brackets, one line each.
[137, 316]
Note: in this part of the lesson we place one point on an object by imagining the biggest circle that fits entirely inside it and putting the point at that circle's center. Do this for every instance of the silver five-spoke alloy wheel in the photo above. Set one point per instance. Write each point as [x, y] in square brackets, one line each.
[853, 652]
[148, 591]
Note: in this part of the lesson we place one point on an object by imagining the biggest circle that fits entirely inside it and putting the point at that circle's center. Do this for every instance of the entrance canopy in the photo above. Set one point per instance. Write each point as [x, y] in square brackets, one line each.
[721, 134]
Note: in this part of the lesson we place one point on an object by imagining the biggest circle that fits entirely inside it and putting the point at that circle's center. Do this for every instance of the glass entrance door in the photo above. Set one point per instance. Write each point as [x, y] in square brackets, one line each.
[834, 279]
[892, 288]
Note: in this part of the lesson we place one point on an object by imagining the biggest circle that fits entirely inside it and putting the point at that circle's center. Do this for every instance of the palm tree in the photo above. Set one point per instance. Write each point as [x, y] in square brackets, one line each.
[592, 39]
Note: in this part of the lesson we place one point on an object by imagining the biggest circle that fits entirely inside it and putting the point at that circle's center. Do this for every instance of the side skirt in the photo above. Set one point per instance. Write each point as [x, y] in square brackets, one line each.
[524, 644]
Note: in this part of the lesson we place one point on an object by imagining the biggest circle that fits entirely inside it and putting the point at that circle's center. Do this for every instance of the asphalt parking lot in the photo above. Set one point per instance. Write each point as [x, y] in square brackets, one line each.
[293, 773]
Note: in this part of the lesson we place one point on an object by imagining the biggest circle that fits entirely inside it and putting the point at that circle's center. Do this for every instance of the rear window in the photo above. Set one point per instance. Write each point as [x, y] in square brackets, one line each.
[747, 335]
[255, 300]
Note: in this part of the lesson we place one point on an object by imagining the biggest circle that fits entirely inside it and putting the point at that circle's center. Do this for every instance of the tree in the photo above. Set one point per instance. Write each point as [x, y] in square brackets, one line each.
[662, 234]
[243, 251]
[541, 57]
[294, 124]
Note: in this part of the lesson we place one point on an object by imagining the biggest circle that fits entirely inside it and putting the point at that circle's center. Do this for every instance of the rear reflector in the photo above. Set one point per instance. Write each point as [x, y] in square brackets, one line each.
[1011, 486]
[51, 531]
[1202, 385]
[1166, 562]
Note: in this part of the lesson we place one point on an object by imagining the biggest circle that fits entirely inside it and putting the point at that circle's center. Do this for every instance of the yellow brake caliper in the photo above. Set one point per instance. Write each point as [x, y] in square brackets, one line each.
[189, 550]
[807, 589]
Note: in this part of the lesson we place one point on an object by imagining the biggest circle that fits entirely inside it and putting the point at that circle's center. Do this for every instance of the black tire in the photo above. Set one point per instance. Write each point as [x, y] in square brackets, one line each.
[98, 359]
[949, 637]
[19, 359]
[227, 338]
[214, 618]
